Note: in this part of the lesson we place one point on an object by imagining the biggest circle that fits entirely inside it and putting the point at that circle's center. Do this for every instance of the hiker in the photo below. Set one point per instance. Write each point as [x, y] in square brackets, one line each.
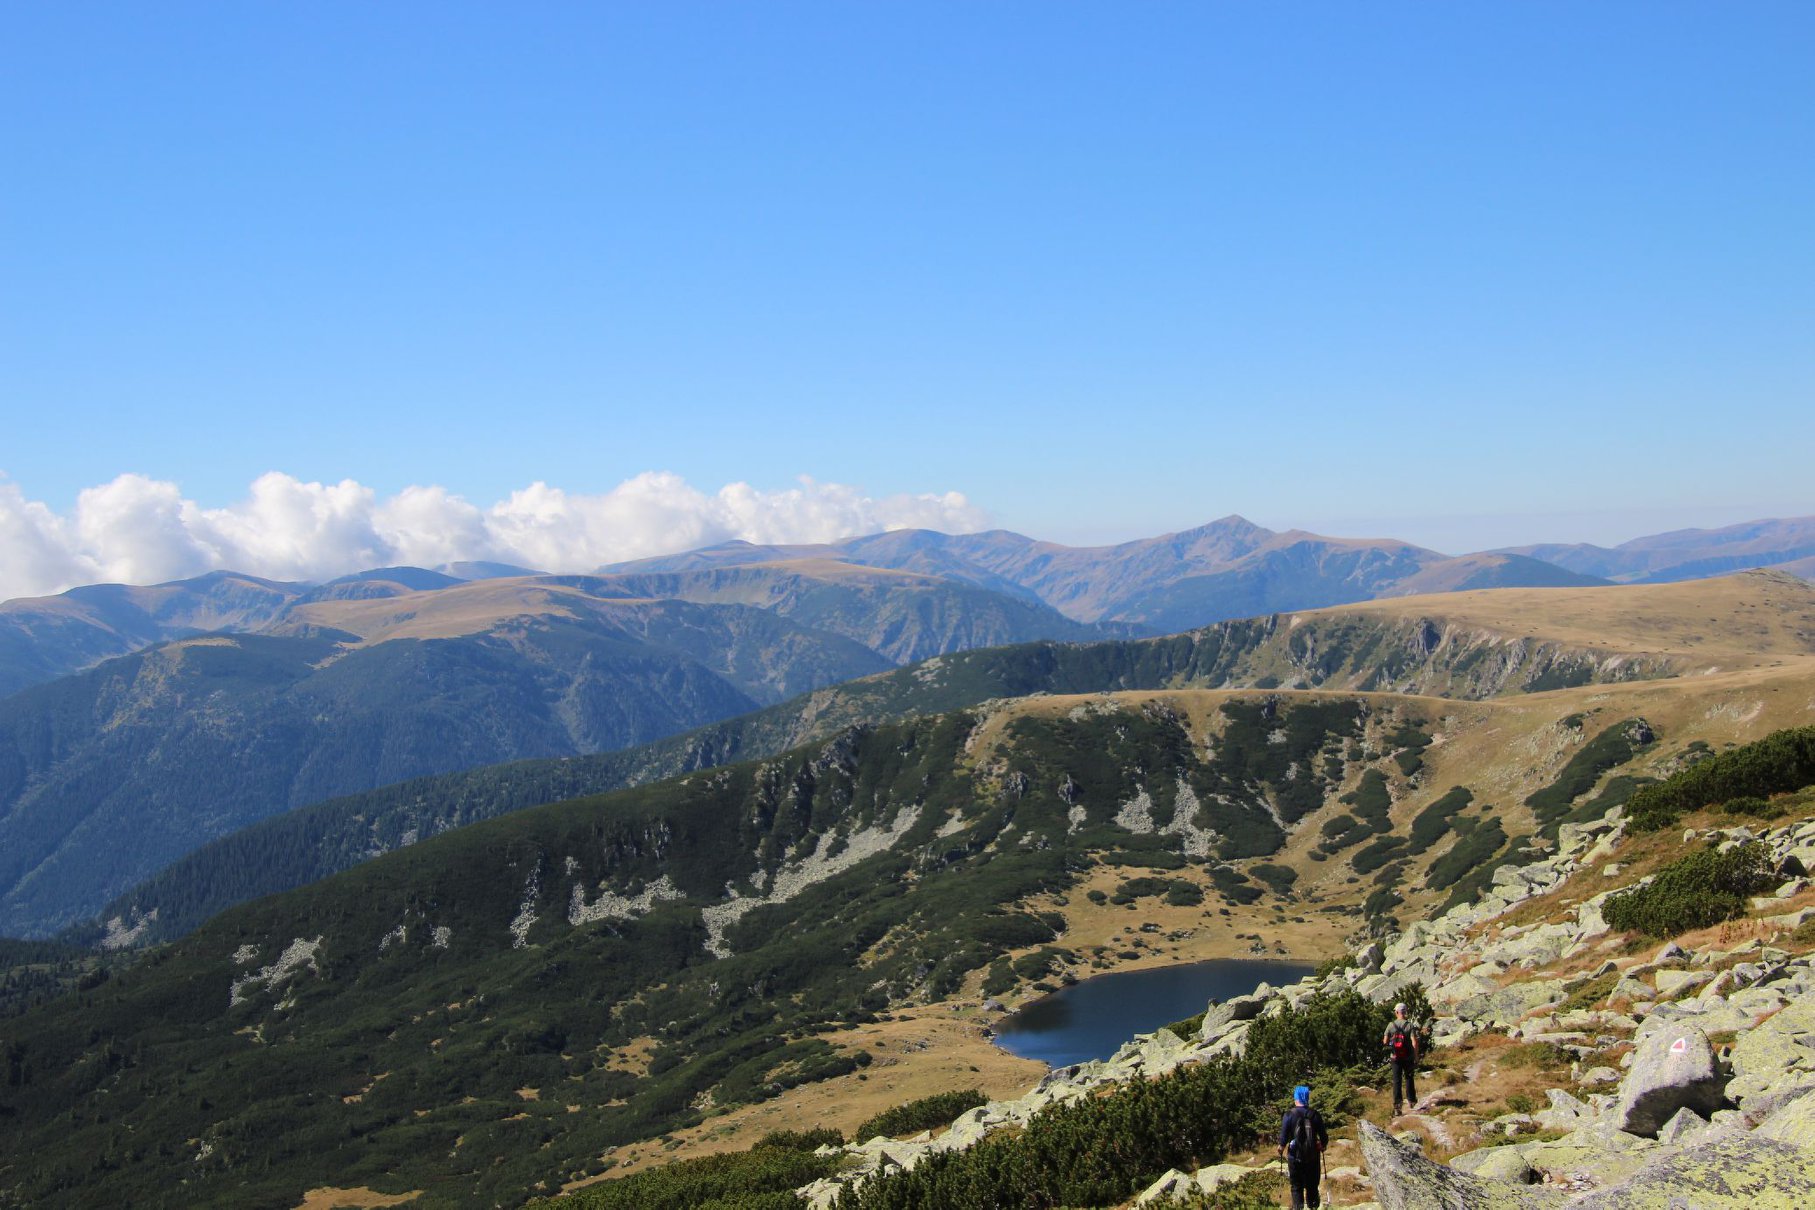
[1401, 1042]
[1302, 1138]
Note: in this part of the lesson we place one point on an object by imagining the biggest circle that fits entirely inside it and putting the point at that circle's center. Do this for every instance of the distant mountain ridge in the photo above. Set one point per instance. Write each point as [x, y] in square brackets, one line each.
[43, 638]
[1691, 554]
[1227, 569]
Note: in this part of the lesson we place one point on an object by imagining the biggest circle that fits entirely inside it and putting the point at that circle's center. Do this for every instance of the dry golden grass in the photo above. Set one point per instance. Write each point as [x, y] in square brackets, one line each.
[1750, 617]
[352, 1199]
[916, 1052]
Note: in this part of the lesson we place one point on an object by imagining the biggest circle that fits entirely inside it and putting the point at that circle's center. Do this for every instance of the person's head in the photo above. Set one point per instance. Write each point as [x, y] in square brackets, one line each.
[1301, 1095]
[1399, 1010]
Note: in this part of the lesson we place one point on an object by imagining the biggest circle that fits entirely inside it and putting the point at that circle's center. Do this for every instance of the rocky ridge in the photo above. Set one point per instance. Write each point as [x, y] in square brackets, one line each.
[1714, 1046]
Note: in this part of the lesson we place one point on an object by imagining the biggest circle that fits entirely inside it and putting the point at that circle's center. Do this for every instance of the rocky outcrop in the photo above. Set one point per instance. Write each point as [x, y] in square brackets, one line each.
[1405, 1180]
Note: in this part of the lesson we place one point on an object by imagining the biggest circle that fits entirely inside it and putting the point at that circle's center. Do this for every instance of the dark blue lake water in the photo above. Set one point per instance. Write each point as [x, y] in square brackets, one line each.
[1092, 1018]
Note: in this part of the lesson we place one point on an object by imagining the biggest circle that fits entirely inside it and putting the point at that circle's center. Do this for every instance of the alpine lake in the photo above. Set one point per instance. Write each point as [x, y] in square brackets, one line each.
[1092, 1018]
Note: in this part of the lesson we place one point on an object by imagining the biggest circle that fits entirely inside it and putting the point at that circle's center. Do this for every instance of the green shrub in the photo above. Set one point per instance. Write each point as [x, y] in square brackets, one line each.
[1702, 889]
[1382, 850]
[1234, 885]
[1184, 894]
[803, 1140]
[1187, 1029]
[1432, 822]
[928, 1113]
[1780, 762]
[999, 978]
[1177, 891]
[1279, 877]
[1615, 746]
[1470, 853]
[1754, 806]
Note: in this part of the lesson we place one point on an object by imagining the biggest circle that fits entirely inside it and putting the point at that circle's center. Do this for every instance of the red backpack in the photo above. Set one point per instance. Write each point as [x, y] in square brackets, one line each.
[1399, 1040]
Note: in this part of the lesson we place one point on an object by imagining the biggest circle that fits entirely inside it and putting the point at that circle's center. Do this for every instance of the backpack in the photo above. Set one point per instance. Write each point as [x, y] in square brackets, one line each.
[1302, 1142]
[1399, 1041]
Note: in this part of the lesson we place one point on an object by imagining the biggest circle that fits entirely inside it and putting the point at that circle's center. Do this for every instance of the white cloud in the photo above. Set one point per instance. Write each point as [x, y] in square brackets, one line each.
[139, 530]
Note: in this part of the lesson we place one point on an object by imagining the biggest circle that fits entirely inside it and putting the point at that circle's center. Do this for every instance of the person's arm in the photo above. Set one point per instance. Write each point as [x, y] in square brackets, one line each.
[1323, 1135]
[1285, 1131]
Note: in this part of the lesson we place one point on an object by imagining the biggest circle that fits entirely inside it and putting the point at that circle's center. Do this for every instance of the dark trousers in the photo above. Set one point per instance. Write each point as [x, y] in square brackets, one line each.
[1402, 1077]
[1304, 1175]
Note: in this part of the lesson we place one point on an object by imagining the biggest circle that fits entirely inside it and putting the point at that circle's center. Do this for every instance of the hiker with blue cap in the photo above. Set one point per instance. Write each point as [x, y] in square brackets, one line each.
[1302, 1138]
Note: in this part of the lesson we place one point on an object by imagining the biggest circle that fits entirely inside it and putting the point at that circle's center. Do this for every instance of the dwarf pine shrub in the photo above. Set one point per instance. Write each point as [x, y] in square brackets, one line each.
[1705, 888]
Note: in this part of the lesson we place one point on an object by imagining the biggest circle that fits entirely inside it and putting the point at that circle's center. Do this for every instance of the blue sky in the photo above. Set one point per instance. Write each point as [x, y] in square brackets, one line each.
[1466, 274]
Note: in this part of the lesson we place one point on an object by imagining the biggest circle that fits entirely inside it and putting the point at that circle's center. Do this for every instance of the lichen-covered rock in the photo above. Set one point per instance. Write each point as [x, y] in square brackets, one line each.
[1184, 1185]
[1732, 1170]
[1682, 1129]
[1674, 983]
[1405, 1180]
[1497, 1164]
[1672, 1069]
[1510, 1003]
[1236, 1008]
[1793, 1123]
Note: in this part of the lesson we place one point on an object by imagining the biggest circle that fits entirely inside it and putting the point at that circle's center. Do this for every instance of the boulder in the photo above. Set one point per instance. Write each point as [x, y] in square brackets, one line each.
[1172, 1185]
[1673, 1068]
[1405, 1180]
[1237, 1008]
[1682, 1128]
[1183, 1186]
[1675, 983]
[1565, 1112]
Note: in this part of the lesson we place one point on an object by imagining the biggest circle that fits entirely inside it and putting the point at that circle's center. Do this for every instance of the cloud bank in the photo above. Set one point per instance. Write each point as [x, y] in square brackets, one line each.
[138, 530]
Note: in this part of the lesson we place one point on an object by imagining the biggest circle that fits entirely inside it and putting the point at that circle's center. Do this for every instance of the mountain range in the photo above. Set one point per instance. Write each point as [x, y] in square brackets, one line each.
[1227, 569]
[497, 1011]
[1691, 554]
[224, 700]
[1473, 645]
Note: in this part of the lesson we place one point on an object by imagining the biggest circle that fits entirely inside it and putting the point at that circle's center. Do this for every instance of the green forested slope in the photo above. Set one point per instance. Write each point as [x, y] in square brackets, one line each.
[375, 1028]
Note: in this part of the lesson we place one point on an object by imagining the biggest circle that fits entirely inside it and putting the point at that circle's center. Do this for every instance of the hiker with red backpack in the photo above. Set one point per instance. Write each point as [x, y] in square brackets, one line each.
[1401, 1042]
[1302, 1138]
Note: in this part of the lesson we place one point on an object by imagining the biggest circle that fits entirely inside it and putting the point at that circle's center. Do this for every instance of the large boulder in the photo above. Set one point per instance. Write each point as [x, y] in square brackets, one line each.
[1672, 1069]
[1732, 1170]
[1405, 1180]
